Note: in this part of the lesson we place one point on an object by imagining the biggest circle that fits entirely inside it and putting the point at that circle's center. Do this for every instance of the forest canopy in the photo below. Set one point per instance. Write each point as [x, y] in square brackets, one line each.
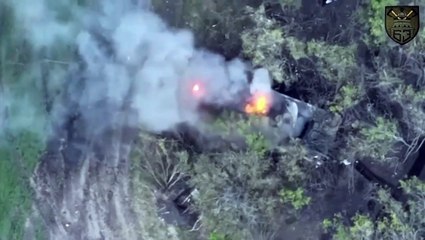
[233, 182]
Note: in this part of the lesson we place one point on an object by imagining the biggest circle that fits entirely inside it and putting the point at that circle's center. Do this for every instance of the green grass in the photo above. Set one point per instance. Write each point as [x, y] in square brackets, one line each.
[13, 199]
[22, 138]
[29, 79]
[15, 193]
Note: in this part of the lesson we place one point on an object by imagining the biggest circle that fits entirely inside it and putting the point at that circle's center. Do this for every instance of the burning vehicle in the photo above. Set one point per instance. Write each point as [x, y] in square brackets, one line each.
[252, 94]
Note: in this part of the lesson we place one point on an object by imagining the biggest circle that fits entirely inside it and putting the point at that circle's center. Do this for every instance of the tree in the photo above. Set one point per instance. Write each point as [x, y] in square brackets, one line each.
[241, 193]
[376, 21]
[263, 43]
[217, 24]
[397, 221]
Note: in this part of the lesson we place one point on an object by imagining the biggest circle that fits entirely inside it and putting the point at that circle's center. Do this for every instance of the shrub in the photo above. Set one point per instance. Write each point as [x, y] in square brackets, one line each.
[292, 162]
[217, 24]
[156, 167]
[376, 20]
[336, 63]
[377, 140]
[412, 100]
[239, 193]
[249, 129]
[263, 43]
[396, 223]
[235, 193]
[362, 228]
[159, 161]
[296, 198]
[217, 236]
[348, 96]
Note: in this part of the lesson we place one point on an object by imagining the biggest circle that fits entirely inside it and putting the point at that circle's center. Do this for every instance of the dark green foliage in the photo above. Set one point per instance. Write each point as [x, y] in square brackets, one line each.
[242, 190]
[376, 20]
[217, 24]
[239, 191]
[296, 198]
[396, 222]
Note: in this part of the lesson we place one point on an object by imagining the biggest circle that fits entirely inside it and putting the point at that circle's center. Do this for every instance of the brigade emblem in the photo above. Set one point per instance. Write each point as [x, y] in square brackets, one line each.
[402, 23]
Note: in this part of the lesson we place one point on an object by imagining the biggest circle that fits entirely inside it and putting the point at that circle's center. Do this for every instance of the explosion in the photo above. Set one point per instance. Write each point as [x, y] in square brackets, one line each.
[198, 90]
[259, 104]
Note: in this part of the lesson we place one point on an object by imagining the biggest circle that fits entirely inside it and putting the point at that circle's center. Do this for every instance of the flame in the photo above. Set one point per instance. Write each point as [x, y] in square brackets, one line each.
[198, 90]
[259, 104]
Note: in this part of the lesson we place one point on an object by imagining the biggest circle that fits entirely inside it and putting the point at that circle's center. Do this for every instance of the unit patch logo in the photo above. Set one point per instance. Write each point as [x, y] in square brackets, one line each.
[402, 23]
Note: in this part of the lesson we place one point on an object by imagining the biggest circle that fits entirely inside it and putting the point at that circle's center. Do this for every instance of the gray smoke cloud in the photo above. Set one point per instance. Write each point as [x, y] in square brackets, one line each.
[129, 60]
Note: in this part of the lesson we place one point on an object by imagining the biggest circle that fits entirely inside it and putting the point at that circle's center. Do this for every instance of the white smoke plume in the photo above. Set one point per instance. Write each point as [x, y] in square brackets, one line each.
[261, 82]
[130, 60]
[40, 24]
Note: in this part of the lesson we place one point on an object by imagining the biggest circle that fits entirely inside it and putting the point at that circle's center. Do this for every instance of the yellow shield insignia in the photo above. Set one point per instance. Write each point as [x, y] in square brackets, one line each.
[402, 23]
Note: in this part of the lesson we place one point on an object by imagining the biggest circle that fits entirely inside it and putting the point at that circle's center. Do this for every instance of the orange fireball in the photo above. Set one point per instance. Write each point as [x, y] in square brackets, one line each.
[259, 104]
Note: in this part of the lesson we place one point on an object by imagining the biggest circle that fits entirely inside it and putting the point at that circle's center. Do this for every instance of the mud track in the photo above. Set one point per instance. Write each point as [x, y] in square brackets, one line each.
[82, 185]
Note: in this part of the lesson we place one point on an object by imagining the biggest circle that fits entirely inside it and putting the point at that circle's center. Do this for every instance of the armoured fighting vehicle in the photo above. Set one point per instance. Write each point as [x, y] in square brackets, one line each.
[283, 116]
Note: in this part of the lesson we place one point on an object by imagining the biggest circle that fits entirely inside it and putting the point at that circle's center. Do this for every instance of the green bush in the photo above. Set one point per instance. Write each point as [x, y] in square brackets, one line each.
[160, 162]
[239, 193]
[235, 194]
[217, 24]
[396, 222]
[155, 168]
[263, 43]
[336, 63]
[377, 140]
[218, 236]
[376, 20]
[348, 96]
[412, 100]
[362, 228]
[296, 198]
[292, 162]
[249, 129]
